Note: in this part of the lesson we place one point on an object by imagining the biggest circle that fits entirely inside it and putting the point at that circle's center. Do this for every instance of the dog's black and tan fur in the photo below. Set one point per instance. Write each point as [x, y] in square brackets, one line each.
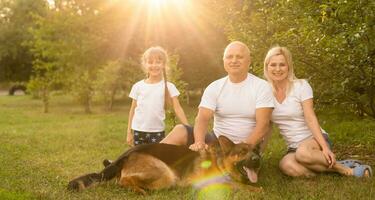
[158, 166]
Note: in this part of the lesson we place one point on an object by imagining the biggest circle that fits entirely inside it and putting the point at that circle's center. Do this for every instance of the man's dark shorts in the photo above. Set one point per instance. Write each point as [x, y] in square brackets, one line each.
[209, 139]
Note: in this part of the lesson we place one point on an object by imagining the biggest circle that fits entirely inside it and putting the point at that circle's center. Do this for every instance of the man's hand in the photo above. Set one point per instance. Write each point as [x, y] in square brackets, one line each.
[198, 146]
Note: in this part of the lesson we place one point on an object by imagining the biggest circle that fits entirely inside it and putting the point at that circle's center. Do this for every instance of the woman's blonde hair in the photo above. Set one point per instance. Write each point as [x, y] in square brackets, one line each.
[274, 51]
[159, 53]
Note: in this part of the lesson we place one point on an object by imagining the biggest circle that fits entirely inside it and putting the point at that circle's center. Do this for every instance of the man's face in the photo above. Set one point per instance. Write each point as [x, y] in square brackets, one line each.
[236, 60]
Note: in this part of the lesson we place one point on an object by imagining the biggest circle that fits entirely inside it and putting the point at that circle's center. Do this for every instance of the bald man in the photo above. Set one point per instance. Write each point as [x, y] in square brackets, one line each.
[240, 103]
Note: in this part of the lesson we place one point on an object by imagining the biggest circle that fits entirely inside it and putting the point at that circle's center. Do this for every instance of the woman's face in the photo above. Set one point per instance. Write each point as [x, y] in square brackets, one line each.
[154, 66]
[277, 68]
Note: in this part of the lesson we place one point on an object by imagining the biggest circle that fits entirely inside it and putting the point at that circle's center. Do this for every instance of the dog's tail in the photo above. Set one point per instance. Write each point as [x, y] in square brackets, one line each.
[92, 179]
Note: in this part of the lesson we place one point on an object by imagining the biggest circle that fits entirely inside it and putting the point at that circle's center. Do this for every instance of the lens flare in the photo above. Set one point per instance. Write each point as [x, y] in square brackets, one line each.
[213, 186]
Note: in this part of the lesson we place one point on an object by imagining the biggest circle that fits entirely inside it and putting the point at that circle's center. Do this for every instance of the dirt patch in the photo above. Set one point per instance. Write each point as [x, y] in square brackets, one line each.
[357, 152]
[3, 92]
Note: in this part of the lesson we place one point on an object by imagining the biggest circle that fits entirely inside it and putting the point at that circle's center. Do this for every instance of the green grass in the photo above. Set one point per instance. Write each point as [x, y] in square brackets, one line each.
[41, 152]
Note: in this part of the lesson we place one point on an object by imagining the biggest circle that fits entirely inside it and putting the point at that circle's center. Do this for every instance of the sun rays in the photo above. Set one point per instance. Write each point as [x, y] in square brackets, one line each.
[163, 22]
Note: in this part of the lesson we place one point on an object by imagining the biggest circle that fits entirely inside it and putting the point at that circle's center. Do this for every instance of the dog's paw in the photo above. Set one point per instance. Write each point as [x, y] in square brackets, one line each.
[254, 189]
[74, 185]
[106, 162]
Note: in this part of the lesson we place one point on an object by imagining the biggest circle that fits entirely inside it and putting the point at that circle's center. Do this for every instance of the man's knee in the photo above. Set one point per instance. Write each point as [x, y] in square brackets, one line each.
[180, 128]
[178, 136]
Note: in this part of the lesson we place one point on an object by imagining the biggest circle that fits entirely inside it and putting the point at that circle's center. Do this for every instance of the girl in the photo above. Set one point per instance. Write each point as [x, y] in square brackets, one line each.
[308, 144]
[150, 98]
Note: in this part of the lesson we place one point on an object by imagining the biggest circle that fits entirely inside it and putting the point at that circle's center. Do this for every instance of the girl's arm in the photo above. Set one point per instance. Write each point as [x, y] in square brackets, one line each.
[179, 111]
[313, 124]
[129, 134]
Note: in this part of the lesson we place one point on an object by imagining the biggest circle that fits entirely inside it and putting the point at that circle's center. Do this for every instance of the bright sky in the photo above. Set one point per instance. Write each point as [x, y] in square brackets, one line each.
[160, 14]
[51, 2]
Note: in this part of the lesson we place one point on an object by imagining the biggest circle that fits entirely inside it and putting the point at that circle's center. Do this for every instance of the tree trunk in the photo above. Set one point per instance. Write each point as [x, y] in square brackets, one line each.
[87, 104]
[112, 99]
[45, 96]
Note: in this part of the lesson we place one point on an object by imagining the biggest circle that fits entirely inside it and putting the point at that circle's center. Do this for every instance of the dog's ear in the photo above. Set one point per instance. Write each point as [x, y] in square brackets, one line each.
[225, 144]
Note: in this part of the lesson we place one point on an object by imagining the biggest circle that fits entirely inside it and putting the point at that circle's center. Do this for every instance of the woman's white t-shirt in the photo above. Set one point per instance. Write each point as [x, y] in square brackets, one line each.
[288, 115]
[149, 114]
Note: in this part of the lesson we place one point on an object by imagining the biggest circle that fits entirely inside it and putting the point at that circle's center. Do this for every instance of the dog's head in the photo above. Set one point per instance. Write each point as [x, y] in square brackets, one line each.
[239, 160]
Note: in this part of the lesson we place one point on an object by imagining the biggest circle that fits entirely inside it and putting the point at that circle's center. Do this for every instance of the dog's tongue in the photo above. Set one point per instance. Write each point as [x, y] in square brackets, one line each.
[251, 175]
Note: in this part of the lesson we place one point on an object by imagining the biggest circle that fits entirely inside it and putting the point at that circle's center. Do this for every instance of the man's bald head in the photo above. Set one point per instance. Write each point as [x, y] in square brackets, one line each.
[238, 43]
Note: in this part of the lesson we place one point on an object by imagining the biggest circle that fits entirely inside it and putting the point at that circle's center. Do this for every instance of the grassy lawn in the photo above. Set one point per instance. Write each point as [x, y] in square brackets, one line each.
[41, 152]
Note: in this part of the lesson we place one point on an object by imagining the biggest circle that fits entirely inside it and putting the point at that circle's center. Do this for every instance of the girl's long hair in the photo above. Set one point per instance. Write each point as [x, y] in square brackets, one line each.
[159, 53]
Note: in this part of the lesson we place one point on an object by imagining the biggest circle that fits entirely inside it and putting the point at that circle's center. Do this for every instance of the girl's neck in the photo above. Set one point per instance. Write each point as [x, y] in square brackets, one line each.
[153, 79]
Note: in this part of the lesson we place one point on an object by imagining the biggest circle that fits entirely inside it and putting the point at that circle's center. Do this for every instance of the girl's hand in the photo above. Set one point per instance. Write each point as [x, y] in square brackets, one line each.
[130, 139]
[330, 157]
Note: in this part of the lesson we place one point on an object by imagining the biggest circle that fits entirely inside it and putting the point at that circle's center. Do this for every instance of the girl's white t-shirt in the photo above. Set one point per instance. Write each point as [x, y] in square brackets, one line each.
[149, 114]
[288, 115]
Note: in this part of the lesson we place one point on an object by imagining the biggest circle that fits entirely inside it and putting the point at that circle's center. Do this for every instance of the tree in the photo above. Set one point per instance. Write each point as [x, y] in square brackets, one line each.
[116, 77]
[15, 19]
[69, 43]
[332, 43]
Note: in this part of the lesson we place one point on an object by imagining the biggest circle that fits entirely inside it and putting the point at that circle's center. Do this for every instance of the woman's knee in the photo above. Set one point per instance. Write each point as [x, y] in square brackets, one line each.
[295, 169]
[303, 155]
[288, 168]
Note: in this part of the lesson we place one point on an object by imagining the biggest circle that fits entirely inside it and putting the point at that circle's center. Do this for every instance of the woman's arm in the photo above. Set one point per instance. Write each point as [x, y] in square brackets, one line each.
[179, 111]
[313, 124]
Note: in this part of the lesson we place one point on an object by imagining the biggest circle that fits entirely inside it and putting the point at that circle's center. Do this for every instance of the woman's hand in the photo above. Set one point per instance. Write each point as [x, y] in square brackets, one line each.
[330, 157]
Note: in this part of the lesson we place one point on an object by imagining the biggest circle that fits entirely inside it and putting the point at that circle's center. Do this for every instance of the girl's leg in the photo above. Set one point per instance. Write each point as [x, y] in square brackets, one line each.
[289, 166]
[177, 136]
[310, 155]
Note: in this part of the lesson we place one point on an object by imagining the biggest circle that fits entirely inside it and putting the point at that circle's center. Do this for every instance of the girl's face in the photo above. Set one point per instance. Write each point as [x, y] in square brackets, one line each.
[154, 67]
[277, 68]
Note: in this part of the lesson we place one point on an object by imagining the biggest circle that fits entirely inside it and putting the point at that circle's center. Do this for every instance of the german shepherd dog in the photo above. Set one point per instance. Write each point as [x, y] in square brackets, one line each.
[157, 166]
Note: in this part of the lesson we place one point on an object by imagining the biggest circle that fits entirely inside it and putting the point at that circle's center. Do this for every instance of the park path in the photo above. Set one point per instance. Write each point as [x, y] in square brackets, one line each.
[3, 92]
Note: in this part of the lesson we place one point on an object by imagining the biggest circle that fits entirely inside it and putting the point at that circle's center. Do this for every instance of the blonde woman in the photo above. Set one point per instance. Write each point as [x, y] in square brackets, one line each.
[309, 149]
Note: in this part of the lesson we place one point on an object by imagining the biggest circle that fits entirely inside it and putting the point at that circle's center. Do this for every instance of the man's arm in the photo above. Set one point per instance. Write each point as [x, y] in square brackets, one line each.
[262, 120]
[200, 128]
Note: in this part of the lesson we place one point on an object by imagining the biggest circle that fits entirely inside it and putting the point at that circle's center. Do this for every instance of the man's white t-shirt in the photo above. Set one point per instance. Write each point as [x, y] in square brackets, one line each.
[288, 115]
[234, 105]
[149, 114]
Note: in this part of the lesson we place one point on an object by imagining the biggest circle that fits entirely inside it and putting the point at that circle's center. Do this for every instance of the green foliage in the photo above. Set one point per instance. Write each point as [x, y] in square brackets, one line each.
[15, 19]
[68, 48]
[332, 43]
[116, 77]
[174, 75]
